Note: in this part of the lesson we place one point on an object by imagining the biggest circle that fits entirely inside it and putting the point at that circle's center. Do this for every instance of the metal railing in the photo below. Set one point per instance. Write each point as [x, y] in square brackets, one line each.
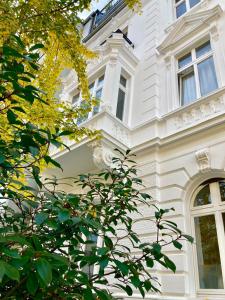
[106, 11]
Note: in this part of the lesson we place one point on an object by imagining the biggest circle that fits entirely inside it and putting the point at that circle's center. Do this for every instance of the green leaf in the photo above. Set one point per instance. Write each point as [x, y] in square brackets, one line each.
[12, 272]
[44, 270]
[103, 295]
[12, 118]
[129, 290]
[48, 160]
[63, 215]
[87, 294]
[170, 264]
[2, 270]
[32, 284]
[108, 242]
[150, 262]
[2, 158]
[36, 46]
[124, 269]
[8, 51]
[18, 41]
[11, 253]
[177, 245]
[189, 238]
[41, 217]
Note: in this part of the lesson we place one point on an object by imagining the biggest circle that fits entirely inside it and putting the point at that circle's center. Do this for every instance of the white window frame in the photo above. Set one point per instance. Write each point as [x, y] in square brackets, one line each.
[216, 208]
[188, 7]
[194, 64]
[97, 86]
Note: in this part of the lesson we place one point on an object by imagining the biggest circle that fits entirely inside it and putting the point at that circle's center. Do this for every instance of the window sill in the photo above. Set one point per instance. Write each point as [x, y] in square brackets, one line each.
[214, 95]
[211, 294]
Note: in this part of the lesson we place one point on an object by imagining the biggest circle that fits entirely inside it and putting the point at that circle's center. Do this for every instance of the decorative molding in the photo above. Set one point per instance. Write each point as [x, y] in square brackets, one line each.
[102, 156]
[203, 159]
[187, 25]
[121, 134]
[198, 111]
[214, 33]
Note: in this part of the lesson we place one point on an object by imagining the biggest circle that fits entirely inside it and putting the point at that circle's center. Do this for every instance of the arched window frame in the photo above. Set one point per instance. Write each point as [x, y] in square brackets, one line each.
[216, 208]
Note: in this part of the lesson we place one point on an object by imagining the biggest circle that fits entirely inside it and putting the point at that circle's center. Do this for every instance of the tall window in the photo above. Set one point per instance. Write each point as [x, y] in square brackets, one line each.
[121, 97]
[182, 6]
[196, 73]
[208, 212]
[95, 89]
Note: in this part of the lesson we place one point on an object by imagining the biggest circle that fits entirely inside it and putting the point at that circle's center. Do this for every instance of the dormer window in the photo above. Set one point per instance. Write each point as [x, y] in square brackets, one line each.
[182, 6]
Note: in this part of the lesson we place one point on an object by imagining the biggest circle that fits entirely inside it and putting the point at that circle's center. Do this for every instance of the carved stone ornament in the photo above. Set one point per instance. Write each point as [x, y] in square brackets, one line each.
[203, 159]
[102, 156]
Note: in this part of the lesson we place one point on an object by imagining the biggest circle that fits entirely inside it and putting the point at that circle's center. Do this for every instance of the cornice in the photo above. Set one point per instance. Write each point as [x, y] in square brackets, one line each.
[188, 24]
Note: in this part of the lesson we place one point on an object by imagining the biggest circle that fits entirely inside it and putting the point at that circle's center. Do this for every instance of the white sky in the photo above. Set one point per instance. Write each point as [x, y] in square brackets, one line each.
[96, 4]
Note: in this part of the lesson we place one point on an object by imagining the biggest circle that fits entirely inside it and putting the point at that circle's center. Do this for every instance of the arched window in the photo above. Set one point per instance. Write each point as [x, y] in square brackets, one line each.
[208, 212]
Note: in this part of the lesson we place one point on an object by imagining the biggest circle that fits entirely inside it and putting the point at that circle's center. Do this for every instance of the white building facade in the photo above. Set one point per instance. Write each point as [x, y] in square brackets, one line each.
[161, 80]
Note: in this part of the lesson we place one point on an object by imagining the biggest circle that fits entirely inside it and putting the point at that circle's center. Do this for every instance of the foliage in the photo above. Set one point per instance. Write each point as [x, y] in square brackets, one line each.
[46, 234]
[56, 25]
[43, 244]
[46, 249]
[25, 141]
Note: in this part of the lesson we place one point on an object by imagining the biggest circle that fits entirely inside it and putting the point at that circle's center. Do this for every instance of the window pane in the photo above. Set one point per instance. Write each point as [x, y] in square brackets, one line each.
[209, 266]
[98, 95]
[207, 76]
[101, 80]
[194, 2]
[181, 9]
[222, 190]
[120, 104]
[188, 88]
[185, 60]
[91, 87]
[203, 197]
[203, 49]
[123, 81]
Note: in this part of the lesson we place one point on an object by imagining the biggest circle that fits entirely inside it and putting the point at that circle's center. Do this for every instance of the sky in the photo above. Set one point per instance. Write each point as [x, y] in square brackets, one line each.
[95, 5]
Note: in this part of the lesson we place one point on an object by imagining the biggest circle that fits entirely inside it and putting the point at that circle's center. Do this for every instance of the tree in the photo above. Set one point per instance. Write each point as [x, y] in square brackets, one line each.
[55, 24]
[45, 233]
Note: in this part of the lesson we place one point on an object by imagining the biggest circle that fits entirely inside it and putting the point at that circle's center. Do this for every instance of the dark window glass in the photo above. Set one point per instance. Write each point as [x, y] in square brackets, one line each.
[120, 104]
[123, 81]
[194, 2]
[185, 60]
[91, 87]
[203, 197]
[101, 79]
[222, 190]
[203, 49]
[209, 265]
[181, 9]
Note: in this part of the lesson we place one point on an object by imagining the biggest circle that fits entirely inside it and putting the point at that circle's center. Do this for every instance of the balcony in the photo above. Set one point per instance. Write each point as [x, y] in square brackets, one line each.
[101, 17]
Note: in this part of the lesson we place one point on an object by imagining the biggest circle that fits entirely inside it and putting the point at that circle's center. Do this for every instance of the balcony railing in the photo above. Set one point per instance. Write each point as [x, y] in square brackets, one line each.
[101, 17]
[106, 11]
